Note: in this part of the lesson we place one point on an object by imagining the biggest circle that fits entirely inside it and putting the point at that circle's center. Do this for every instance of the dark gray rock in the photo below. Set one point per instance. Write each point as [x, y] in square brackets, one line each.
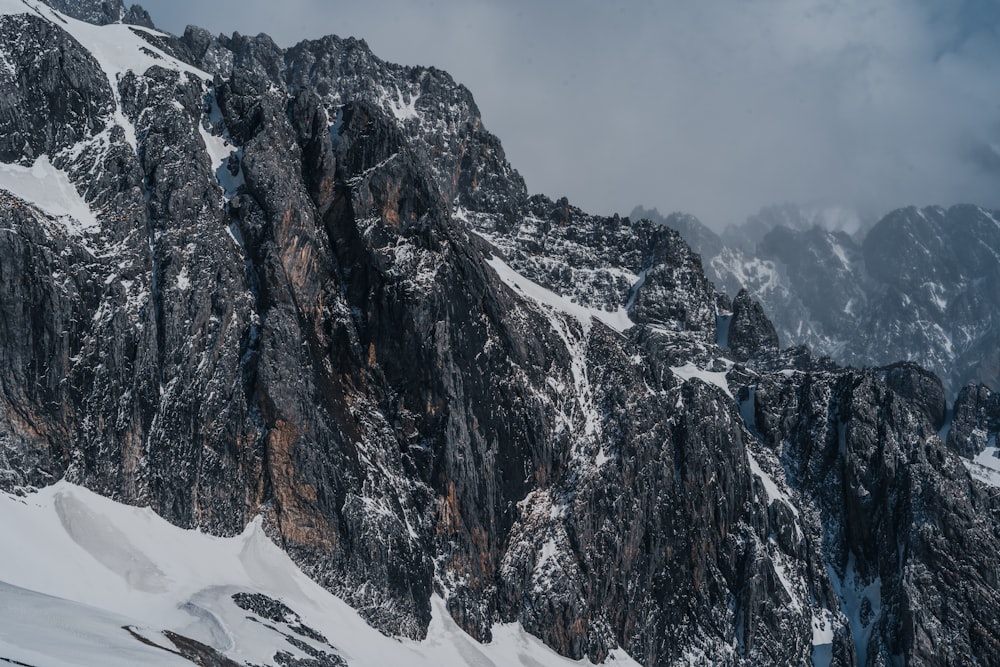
[975, 420]
[898, 516]
[750, 334]
[921, 388]
[136, 15]
[55, 95]
[702, 240]
[98, 12]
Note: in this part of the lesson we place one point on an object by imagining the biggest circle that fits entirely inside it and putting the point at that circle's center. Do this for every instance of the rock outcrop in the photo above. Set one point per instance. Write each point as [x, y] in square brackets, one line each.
[750, 333]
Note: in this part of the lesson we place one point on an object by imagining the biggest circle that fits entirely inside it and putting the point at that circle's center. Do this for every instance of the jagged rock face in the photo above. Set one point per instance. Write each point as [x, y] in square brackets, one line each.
[832, 300]
[439, 116]
[99, 12]
[703, 240]
[920, 285]
[55, 97]
[922, 388]
[316, 291]
[938, 290]
[750, 333]
[102, 12]
[975, 420]
[892, 504]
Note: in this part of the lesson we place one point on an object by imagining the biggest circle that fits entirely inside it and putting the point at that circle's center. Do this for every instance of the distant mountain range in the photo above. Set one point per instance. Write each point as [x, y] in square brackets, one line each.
[921, 284]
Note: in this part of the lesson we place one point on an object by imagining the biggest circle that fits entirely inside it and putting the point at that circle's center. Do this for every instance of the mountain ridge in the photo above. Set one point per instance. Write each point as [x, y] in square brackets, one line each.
[317, 293]
[875, 297]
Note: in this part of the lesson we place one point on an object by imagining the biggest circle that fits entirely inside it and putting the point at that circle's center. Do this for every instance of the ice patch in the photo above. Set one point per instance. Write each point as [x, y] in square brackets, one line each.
[722, 323]
[634, 292]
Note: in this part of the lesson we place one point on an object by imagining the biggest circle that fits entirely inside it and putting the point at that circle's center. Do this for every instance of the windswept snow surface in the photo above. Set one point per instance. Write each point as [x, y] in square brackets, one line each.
[75, 568]
[50, 189]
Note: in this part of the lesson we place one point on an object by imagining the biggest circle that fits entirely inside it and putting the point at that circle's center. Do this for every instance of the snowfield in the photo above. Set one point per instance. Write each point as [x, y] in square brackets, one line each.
[50, 190]
[88, 581]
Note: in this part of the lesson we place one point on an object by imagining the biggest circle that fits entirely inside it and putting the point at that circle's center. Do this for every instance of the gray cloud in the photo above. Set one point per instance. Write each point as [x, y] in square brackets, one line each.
[715, 108]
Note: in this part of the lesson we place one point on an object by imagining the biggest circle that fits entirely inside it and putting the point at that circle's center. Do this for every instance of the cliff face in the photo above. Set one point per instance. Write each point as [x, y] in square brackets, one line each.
[306, 283]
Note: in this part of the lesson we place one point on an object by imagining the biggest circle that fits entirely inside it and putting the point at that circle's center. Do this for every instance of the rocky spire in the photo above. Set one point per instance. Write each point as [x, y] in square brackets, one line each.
[751, 333]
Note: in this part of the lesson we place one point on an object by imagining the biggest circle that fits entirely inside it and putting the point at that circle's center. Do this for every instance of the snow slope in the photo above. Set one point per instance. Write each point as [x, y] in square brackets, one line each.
[617, 320]
[82, 577]
[51, 191]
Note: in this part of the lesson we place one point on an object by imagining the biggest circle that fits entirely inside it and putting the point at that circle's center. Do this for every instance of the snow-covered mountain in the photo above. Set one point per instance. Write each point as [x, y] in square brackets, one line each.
[296, 303]
[919, 285]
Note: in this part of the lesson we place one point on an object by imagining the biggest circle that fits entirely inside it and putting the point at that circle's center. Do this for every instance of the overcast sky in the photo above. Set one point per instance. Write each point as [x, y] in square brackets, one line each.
[714, 107]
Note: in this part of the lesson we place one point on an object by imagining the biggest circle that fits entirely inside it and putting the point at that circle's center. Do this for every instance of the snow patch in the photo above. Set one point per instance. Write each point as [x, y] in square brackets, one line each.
[838, 250]
[402, 109]
[861, 603]
[220, 151]
[617, 320]
[986, 466]
[786, 583]
[689, 370]
[50, 190]
[770, 488]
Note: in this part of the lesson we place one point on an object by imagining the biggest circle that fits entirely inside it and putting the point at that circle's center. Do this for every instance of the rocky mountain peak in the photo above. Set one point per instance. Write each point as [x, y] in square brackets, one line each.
[303, 289]
[102, 12]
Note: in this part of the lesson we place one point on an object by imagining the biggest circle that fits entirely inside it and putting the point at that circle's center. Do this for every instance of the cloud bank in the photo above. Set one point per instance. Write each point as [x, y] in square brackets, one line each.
[714, 108]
